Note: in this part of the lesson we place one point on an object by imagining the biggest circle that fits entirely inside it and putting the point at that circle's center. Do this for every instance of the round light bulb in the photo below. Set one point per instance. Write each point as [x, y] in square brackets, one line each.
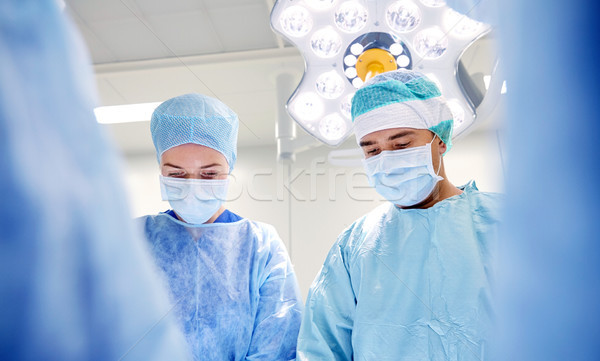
[461, 25]
[346, 106]
[430, 43]
[333, 127]
[350, 72]
[326, 42]
[351, 17]
[403, 61]
[357, 49]
[396, 49]
[357, 82]
[403, 16]
[350, 60]
[458, 112]
[434, 3]
[320, 4]
[307, 106]
[296, 21]
[330, 85]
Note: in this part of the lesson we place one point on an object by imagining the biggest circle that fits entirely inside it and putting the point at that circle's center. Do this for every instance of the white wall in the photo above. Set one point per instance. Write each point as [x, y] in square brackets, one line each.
[324, 199]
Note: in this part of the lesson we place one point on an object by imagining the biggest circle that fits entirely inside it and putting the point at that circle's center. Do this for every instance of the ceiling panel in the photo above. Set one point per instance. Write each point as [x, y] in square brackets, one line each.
[219, 4]
[159, 7]
[146, 86]
[193, 35]
[94, 10]
[124, 30]
[244, 77]
[244, 27]
[99, 51]
[129, 39]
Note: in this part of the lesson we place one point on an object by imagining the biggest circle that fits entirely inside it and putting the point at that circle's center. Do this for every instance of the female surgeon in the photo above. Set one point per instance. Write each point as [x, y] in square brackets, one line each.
[231, 282]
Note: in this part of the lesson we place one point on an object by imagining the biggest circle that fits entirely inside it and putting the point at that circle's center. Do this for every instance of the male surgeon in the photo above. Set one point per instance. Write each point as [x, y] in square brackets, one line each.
[411, 279]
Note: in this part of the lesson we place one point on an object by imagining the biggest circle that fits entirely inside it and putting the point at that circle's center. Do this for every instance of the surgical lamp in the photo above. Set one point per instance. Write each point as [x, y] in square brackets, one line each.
[345, 43]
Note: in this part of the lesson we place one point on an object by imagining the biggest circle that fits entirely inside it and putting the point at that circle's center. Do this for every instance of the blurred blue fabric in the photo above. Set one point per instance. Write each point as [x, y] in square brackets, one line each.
[233, 287]
[550, 260]
[407, 284]
[76, 280]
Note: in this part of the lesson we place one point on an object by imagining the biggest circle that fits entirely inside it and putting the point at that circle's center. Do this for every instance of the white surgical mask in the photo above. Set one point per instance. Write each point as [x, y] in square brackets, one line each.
[194, 200]
[404, 177]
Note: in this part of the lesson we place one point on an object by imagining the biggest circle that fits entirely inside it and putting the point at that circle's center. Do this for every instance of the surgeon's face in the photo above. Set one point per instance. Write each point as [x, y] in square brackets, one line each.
[400, 138]
[194, 161]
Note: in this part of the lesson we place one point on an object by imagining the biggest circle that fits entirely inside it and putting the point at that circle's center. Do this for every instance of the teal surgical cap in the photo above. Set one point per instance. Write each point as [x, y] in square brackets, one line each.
[401, 99]
[197, 119]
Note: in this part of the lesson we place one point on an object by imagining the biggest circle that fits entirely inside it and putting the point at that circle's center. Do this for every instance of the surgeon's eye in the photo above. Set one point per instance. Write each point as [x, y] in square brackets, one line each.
[372, 151]
[174, 173]
[210, 174]
[401, 145]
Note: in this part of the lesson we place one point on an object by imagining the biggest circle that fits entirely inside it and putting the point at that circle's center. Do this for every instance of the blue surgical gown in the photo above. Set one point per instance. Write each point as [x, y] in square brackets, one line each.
[226, 217]
[407, 285]
[233, 287]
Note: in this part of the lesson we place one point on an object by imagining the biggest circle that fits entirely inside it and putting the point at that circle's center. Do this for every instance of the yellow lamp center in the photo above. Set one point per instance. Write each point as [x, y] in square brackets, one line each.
[373, 62]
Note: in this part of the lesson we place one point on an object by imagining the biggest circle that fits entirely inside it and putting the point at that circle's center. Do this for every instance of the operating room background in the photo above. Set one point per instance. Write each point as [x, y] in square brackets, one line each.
[148, 51]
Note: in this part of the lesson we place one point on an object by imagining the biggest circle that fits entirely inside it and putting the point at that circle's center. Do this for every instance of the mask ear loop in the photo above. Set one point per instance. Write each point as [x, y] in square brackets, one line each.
[440, 162]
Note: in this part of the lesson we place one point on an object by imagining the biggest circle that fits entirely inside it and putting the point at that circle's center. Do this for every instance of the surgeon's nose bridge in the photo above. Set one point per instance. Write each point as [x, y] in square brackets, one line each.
[388, 146]
[202, 173]
[197, 174]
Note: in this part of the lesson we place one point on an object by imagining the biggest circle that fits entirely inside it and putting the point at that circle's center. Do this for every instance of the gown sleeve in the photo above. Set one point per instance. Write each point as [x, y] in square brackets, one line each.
[280, 306]
[326, 332]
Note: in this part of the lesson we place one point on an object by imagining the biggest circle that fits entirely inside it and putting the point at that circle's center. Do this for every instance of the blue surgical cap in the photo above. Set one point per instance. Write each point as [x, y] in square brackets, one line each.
[196, 119]
[401, 99]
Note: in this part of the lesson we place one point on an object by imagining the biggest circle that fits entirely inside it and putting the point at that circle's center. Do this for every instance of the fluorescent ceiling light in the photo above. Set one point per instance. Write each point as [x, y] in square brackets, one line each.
[125, 113]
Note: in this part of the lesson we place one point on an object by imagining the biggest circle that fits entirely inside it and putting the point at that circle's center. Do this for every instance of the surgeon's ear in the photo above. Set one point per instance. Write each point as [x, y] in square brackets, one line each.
[442, 147]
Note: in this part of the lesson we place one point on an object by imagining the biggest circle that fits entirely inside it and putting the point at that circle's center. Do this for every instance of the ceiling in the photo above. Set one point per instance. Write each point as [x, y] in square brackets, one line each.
[129, 30]
[152, 50]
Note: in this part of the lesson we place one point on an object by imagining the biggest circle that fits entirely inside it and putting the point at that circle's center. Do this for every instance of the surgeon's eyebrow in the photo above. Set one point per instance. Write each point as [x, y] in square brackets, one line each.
[203, 167]
[401, 134]
[210, 165]
[172, 165]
